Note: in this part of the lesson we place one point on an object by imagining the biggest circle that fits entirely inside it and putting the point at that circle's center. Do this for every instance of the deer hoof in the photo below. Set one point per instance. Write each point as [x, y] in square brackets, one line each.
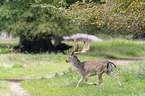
[94, 84]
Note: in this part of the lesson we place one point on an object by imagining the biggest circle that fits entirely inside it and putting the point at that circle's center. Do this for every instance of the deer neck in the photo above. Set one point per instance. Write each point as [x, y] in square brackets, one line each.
[77, 64]
[75, 60]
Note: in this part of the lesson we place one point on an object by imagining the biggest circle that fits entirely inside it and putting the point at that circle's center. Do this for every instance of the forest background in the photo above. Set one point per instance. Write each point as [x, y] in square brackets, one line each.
[40, 21]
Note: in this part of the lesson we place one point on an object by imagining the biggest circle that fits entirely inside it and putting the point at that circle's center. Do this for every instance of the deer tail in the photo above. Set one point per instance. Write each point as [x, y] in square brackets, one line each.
[110, 63]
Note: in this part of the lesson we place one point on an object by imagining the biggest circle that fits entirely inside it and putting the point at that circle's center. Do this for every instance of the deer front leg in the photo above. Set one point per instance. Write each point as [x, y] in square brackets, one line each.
[80, 81]
[86, 79]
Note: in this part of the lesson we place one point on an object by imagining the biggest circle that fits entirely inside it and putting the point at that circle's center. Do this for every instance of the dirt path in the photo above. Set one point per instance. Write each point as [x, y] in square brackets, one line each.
[5, 94]
[17, 90]
[127, 60]
[14, 85]
[122, 61]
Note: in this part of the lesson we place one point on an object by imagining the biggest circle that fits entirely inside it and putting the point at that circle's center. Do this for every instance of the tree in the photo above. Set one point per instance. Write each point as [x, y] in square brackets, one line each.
[36, 22]
[111, 17]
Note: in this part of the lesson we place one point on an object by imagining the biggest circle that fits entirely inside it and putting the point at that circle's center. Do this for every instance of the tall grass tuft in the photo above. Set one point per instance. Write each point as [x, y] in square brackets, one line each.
[133, 71]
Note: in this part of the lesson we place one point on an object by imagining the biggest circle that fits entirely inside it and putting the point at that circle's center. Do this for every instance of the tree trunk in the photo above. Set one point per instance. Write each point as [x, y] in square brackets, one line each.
[36, 45]
[39, 45]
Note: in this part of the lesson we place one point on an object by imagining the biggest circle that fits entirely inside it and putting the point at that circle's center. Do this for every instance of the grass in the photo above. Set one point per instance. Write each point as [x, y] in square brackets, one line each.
[4, 88]
[115, 49]
[19, 65]
[16, 65]
[6, 45]
[131, 75]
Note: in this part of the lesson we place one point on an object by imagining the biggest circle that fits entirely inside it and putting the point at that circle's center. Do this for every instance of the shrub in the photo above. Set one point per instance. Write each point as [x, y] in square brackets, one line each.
[117, 16]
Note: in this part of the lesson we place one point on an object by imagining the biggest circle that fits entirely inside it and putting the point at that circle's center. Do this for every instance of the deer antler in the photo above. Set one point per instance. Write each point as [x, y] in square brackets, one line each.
[76, 47]
[85, 48]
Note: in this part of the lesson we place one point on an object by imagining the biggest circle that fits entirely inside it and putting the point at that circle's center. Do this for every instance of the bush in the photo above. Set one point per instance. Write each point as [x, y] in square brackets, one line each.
[117, 16]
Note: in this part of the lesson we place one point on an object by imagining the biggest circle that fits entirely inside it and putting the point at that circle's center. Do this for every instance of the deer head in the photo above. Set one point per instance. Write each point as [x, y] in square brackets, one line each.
[76, 50]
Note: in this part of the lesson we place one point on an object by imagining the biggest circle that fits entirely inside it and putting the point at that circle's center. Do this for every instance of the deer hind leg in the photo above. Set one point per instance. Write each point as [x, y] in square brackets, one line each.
[86, 79]
[115, 76]
[100, 79]
[80, 81]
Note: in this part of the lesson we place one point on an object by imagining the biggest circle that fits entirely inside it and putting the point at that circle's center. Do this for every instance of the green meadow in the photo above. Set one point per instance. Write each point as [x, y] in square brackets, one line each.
[132, 77]
[65, 77]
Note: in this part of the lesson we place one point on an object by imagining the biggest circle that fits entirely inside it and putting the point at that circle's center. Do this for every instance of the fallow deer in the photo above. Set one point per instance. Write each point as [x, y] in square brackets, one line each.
[89, 68]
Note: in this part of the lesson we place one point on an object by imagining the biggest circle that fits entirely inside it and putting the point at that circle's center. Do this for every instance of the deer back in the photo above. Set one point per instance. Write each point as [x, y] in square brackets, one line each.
[93, 67]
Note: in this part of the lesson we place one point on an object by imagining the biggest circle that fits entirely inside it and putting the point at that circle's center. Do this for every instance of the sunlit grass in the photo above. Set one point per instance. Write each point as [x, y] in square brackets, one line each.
[4, 88]
[65, 85]
[14, 65]
[117, 49]
[114, 49]
[31, 65]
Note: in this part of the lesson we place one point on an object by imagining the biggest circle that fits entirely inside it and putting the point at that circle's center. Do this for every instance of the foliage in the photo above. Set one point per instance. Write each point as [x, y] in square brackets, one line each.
[116, 16]
[31, 18]
[56, 17]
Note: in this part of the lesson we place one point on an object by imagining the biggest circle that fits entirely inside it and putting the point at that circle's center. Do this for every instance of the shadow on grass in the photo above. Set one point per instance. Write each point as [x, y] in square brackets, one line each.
[6, 47]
